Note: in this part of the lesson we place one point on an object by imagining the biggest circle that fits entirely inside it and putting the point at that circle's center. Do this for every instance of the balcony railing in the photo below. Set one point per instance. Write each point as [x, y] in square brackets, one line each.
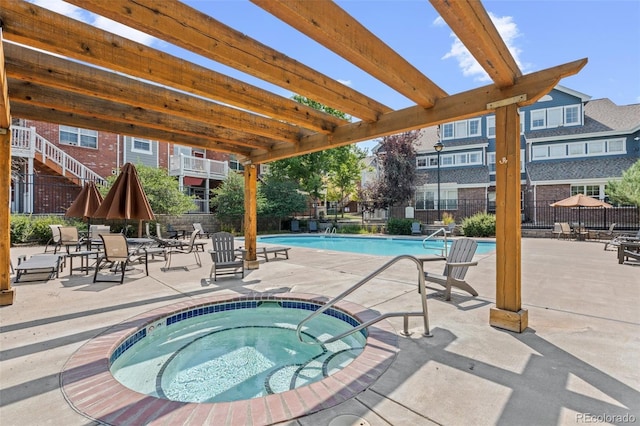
[26, 142]
[185, 165]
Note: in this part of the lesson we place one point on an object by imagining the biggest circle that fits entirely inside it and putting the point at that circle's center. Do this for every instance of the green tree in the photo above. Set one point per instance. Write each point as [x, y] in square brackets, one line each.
[228, 199]
[163, 191]
[397, 162]
[282, 197]
[339, 167]
[626, 190]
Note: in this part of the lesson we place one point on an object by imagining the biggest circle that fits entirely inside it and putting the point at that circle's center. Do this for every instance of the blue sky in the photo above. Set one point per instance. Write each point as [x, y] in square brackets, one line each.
[540, 34]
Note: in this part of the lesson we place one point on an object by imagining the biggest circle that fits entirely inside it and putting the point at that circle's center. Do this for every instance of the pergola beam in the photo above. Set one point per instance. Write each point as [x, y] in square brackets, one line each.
[454, 107]
[37, 27]
[471, 23]
[331, 26]
[186, 27]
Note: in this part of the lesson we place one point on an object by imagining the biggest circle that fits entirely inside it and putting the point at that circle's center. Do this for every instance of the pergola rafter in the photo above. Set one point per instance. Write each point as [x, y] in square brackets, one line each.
[53, 68]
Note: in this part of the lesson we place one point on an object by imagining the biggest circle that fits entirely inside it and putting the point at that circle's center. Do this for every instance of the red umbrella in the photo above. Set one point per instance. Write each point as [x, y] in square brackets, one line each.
[126, 198]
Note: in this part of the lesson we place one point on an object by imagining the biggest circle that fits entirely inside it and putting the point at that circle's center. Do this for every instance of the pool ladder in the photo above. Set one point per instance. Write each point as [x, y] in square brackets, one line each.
[445, 233]
[406, 315]
[331, 230]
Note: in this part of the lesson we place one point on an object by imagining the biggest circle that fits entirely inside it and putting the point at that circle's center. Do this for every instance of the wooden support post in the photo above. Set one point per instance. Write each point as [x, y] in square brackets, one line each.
[508, 313]
[7, 294]
[250, 215]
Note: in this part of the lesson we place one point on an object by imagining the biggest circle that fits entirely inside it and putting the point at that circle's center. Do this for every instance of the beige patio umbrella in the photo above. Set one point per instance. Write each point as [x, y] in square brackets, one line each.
[580, 201]
[126, 199]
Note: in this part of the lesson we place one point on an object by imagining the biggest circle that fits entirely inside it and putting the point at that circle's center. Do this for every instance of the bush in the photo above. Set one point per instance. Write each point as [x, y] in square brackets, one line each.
[399, 226]
[352, 229]
[30, 229]
[480, 225]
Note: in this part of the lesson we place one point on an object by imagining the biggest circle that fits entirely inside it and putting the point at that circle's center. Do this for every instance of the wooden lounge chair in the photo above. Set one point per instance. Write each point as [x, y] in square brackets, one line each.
[226, 259]
[191, 248]
[117, 255]
[457, 262]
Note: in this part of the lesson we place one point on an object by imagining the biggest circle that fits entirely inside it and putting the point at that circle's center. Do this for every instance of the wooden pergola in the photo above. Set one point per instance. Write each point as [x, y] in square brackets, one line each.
[56, 69]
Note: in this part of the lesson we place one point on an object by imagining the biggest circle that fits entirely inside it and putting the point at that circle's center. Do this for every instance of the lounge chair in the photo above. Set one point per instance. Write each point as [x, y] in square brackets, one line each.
[458, 261]
[41, 267]
[615, 241]
[117, 255]
[226, 259]
[191, 248]
[313, 226]
[557, 230]
[69, 237]
[416, 228]
[54, 241]
[201, 232]
[567, 232]
[608, 235]
[295, 225]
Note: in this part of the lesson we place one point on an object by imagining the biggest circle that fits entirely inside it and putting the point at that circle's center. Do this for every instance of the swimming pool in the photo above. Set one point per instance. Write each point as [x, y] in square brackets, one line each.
[379, 246]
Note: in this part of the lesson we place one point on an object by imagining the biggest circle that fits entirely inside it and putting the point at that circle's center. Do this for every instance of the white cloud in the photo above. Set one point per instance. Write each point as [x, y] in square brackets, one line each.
[345, 82]
[82, 15]
[509, 32]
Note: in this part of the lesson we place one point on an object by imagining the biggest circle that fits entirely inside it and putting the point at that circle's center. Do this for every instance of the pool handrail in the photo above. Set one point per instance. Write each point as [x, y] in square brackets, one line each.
[445, 232]
[422, 289]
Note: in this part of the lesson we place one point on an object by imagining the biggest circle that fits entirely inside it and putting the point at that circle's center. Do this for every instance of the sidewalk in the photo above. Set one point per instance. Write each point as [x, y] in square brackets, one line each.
[578, 362]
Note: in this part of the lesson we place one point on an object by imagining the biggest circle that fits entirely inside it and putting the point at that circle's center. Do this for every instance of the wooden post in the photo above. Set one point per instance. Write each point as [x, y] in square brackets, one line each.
[7, 294]
[508, 313]
[250, 215]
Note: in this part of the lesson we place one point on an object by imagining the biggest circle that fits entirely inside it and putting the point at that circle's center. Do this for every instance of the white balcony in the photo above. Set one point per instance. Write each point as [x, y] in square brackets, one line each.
[184, 165]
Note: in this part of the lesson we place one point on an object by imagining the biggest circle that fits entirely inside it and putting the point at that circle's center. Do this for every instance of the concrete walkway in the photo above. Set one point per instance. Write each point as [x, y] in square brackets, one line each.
[578, 362]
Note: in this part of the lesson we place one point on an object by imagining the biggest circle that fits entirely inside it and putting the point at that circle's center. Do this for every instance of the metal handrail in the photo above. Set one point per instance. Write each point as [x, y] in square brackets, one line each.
[422, 289]
[443, 250]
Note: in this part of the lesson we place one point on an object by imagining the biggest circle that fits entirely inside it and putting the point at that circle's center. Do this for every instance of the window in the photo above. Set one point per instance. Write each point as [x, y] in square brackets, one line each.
[78, 137]
[554, 117]
[538, 119]
[491, 161]
[491, 126]
[540, 151]
[421, 162]
[576, 149]
[595, 147]
[615, 146]
[447, 131]
[572, 115]
[427, 199]
[558, 150]
[474, 127]
[462, 129]
[141, 145]
[594, 191]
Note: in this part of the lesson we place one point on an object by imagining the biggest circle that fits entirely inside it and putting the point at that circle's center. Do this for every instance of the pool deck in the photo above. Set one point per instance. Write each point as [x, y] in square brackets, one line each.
[578, 362]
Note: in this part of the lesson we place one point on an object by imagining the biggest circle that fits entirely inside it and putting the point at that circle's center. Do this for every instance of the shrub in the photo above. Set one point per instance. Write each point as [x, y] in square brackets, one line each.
[352, 229]
[480, 225]
[447, 218]
[35, 229]
[399, 226]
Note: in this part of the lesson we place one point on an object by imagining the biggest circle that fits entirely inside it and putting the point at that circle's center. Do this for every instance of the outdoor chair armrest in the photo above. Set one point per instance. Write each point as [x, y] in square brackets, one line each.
[460, 264]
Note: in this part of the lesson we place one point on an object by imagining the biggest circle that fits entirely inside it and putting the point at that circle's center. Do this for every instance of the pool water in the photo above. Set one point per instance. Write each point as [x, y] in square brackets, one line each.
[380, 246]
[235, 354]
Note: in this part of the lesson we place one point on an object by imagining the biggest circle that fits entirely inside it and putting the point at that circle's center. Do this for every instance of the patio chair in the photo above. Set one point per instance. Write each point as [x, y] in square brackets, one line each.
[615, 241]
[69, 237]
[557, 230]
[54, 241]
[40, 267]
[116, 255]
[457, 263]
[416, 228]
[198, 227]
[295, 225]
[226, 259]
[191, 248]
[567, 232]
[313, 226]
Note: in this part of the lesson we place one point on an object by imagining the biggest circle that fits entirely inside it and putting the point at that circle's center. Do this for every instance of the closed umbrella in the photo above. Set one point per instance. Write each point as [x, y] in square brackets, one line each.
[126, 198]
[86, 203]
[580, 201]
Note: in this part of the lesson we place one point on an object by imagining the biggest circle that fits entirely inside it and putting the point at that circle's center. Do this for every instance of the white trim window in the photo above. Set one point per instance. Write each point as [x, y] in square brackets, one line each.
[491, 126]
[142, 146]
[595, 148]
[491, 161]
[547, 118]
[462, 129]
[78, 137]
[595, 191]
[427, 198]
[471, 158]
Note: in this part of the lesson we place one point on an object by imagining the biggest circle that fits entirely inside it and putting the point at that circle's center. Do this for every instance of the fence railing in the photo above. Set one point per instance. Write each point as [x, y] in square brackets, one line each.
[185, 165]
[25, 142]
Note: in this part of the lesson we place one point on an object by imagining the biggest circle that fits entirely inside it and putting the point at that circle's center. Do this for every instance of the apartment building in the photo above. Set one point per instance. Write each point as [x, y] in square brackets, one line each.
[569, 144]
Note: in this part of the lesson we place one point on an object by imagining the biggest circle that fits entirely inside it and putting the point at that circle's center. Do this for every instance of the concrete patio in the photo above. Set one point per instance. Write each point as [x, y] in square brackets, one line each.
[577, 362]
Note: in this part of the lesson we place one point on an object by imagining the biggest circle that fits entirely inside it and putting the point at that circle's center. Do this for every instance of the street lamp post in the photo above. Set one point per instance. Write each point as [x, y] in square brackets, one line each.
[438, 147]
